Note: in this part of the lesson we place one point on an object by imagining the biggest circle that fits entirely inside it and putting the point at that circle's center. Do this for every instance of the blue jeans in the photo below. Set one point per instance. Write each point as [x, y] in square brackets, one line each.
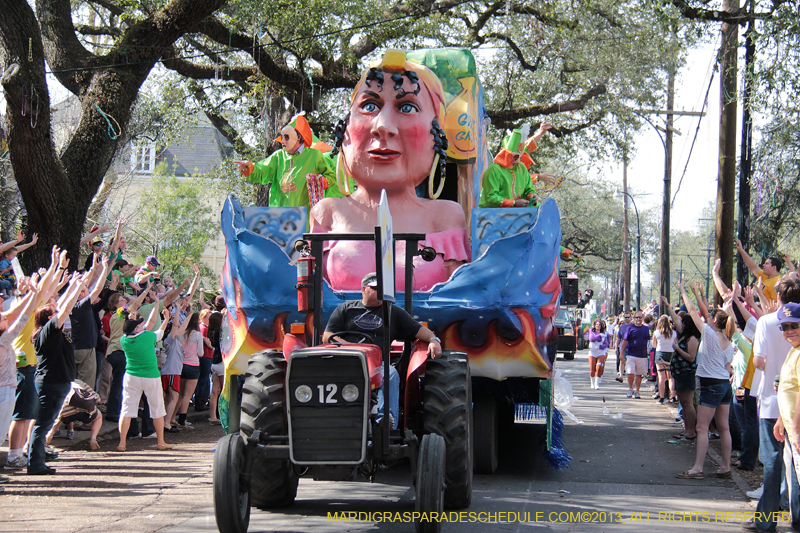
[394, 396]
[147, 423]
[114, 405]
[203, 391]
[771, 453]
[51, 397]
[746, 413]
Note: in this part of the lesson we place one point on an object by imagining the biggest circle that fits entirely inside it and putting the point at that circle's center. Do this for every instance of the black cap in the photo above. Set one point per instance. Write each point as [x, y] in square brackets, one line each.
[370, 280]
[130, 325]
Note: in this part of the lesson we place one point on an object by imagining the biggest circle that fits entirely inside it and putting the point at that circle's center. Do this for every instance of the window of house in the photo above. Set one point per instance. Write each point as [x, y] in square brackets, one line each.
[143, 158]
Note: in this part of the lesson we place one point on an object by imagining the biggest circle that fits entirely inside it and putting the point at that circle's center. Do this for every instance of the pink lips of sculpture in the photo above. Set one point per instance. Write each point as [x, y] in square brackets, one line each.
[383, 155]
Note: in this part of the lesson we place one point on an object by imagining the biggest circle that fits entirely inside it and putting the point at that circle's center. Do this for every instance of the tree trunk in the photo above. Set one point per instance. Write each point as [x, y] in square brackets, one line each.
[58, 189]
[726, 189]
[626, 246]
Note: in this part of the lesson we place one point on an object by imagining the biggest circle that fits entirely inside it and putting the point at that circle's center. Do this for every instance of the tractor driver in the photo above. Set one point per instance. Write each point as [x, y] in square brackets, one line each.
[366, 316]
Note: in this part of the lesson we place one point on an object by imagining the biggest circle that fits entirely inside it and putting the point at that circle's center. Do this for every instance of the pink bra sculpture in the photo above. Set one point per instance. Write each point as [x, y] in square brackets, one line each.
[392, 140]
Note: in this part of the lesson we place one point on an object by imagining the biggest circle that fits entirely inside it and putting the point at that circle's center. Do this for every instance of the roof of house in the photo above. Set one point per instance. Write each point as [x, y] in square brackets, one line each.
[202, 148]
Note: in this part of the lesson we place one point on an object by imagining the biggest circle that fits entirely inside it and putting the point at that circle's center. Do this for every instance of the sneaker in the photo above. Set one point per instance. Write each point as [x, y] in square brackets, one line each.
[636, 394]
[151, 436]
[755, 494]
[655, 395]
[749, 526]
[630, 393]
[137, 436]
[661, 401]
[19, 462]
[70, 434]
[618, 378]
[57, 433]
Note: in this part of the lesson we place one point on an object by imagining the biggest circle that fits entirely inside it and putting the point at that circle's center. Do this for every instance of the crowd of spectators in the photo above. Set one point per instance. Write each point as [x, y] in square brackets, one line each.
[110, 340]
[734, 369]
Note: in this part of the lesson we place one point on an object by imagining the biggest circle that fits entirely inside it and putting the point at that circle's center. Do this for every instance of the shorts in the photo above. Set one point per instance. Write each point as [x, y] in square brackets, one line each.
[685, 382]
[171, 382]
[636, 365]
[84, 417]
[664, 357]
[132, 389]
[190, 372]
[26, 406]
[715, 395]
[218, 369]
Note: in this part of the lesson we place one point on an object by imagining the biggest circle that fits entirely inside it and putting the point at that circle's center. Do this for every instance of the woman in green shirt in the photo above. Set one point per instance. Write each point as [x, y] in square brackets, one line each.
[142, 375]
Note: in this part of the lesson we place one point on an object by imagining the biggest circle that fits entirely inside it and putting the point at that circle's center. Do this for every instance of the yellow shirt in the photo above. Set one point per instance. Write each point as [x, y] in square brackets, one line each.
[788, 389]
[769, 285]
[23, 345]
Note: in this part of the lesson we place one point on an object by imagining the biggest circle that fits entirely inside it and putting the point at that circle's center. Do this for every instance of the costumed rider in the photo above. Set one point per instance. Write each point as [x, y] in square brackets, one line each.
[295, 172]
[507, 183]
[366, 316]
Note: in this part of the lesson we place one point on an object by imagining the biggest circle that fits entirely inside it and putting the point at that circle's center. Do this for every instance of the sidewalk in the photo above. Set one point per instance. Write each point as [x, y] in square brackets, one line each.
[625, 459]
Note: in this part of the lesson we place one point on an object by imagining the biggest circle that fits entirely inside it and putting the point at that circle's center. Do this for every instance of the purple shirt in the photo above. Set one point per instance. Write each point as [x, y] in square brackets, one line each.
[637, 337]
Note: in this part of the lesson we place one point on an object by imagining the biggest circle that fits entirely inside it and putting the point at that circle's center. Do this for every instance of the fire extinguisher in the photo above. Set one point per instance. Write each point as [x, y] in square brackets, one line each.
[305, 271]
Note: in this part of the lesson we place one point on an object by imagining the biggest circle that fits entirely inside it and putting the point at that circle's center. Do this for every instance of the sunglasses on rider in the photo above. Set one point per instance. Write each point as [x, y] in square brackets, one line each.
[786, 326]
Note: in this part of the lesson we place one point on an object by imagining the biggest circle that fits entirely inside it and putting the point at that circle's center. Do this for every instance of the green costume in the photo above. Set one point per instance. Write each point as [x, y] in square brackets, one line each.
[287, 174]
[501, 186]
[502, 183]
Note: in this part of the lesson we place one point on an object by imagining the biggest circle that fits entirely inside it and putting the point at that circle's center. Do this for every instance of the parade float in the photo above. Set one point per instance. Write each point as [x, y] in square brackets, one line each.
[485, 280]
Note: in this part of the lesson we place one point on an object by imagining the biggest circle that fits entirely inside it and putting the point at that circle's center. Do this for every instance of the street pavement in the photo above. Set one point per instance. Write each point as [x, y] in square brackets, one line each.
[623, 467]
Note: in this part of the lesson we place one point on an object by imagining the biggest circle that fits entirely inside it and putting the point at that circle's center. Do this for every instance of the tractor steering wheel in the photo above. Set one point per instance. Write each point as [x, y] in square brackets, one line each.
[363, 338]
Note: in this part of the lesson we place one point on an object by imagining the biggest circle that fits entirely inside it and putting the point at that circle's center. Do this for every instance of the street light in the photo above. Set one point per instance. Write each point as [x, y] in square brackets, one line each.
[619, 194]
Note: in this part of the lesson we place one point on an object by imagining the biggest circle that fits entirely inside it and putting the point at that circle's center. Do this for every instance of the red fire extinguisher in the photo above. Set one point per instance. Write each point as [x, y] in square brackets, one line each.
[305, 269]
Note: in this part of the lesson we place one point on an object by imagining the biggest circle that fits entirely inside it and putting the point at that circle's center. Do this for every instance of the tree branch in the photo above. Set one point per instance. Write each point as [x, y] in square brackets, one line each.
[731, 17]
[206, 72]
[65, 53]
[500, 118]
[97, 30]
[517, 51]
[113, 8]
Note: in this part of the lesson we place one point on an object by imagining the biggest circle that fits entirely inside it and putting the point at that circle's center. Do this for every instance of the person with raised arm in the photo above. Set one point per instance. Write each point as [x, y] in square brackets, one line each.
[84, 324]
[56, 369]
[8, 362]
[115, 355]
[769, 273]
[142, 375]
[714, 371]
[172, 369]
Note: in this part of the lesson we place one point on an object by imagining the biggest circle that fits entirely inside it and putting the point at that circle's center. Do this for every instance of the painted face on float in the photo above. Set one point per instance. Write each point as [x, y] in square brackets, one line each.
[388, 143]
[290, 139]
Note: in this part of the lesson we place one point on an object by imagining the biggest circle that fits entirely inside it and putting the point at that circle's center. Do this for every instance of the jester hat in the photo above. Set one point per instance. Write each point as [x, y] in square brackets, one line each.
[512, 144]
[302, 126]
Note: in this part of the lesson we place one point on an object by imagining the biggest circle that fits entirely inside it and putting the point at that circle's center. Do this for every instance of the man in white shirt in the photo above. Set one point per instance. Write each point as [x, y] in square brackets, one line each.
[770, 350]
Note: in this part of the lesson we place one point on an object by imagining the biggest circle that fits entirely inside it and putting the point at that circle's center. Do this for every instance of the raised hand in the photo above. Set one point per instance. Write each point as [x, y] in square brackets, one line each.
[35, 238]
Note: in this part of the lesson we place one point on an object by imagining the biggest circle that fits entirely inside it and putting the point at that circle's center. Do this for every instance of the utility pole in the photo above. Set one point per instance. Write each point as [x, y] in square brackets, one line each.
[664, 268]
[726, 188]
[626, 260]
[742, 272]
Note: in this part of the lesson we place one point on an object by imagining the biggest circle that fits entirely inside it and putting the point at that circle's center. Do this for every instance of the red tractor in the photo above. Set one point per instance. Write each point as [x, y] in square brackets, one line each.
[310, 411]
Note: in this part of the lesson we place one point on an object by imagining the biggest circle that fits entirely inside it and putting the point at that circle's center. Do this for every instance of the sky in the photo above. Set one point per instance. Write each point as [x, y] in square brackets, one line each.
[646, 170]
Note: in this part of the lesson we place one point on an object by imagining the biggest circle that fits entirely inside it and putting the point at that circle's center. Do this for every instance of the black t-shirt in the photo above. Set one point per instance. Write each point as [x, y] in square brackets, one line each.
[84, 325]
[55, 354]
[355, 316]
